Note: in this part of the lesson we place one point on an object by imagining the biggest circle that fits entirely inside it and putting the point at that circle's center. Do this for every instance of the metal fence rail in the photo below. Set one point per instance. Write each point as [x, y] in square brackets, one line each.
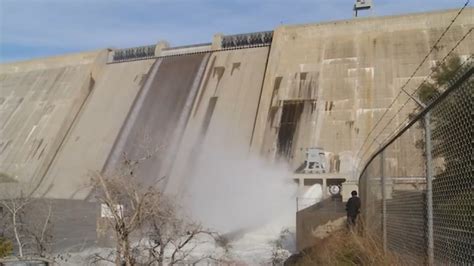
[417, 189]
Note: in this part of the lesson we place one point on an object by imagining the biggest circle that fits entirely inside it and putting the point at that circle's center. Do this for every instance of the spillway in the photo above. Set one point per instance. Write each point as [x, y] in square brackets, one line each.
[157, 118]
[224, 111]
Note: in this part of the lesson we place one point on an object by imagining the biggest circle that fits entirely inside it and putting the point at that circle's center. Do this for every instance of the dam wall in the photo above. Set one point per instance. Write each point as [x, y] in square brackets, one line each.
[328, 84]
[271, 94]
[40, 100]
[156, 121]
[90, 141]
[317, 85]
[223, 114]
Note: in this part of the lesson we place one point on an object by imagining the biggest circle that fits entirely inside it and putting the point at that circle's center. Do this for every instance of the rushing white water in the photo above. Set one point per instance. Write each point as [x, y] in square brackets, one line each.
[253, 247]
[310, 196]
[257, 246]
[231, 192]
[245, 198]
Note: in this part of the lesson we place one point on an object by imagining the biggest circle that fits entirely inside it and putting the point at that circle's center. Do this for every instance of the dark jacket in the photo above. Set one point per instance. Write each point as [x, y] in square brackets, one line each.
[353, 206]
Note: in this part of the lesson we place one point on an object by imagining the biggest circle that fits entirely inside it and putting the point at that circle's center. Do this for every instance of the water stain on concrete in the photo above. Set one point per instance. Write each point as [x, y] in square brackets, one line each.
[290, 116]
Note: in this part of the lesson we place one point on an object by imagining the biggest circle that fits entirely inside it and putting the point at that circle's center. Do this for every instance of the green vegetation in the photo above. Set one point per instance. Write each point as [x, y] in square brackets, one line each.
[451, 123]
[442, 74]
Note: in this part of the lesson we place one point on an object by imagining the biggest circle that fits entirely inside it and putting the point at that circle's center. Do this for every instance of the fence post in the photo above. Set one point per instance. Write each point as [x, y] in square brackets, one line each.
[384, 202]
[367, 204]
[429, 189]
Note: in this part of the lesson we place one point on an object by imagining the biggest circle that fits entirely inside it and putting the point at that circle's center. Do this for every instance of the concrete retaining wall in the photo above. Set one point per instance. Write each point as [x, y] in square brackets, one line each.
[316, 222]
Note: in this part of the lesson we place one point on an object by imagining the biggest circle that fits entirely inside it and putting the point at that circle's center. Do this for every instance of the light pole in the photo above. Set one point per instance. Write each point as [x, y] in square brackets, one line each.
[362, 5]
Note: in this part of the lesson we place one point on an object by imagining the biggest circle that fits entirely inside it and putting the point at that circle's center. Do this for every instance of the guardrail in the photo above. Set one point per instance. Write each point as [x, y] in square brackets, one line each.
[228, 42]
[134, 53]
[247, 39]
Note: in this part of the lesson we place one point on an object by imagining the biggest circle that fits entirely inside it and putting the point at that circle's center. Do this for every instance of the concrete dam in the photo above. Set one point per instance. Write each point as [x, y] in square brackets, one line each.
[268, 94]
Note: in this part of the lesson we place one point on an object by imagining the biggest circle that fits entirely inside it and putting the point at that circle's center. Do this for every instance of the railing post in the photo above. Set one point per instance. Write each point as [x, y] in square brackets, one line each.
[384, 202]
[429, 189]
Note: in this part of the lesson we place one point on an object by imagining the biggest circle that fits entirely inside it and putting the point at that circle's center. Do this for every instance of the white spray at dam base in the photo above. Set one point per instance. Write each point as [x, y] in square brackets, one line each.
[247, 199]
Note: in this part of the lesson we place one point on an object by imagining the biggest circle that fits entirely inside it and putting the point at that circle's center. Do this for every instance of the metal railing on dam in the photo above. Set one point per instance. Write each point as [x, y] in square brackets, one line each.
[225, 42]
[133, 53]
[247, 39]
[417, 188]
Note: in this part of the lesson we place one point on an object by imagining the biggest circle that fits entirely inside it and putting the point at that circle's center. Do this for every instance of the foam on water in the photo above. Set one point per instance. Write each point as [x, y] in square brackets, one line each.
[310, 196]
[244, 196]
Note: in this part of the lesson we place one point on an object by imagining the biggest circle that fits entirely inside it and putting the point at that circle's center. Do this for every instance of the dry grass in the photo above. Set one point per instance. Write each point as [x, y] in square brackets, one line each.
[347, 248]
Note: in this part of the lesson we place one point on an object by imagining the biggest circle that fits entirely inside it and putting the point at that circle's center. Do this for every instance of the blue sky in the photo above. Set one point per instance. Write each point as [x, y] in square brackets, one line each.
[38, 28]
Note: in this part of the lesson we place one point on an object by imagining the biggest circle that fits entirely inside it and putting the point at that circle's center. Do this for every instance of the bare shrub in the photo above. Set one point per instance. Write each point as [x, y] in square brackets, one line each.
[147, 227]
[129, 205]
[27, 223]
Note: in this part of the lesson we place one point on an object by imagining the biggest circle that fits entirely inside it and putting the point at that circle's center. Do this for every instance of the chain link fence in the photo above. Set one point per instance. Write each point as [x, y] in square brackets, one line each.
[417, 189]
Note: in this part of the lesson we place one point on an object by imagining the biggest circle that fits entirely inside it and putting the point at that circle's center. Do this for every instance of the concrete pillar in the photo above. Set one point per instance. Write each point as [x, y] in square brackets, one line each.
[160, 46]
[110, 55]
[217, 41]
[99, 63]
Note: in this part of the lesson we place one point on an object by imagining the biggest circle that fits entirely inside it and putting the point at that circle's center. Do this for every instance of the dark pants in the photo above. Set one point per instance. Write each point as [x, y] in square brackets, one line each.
[351, 220]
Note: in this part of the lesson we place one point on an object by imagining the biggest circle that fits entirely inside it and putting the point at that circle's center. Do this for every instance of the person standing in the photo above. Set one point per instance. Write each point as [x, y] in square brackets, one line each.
[352, 209]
